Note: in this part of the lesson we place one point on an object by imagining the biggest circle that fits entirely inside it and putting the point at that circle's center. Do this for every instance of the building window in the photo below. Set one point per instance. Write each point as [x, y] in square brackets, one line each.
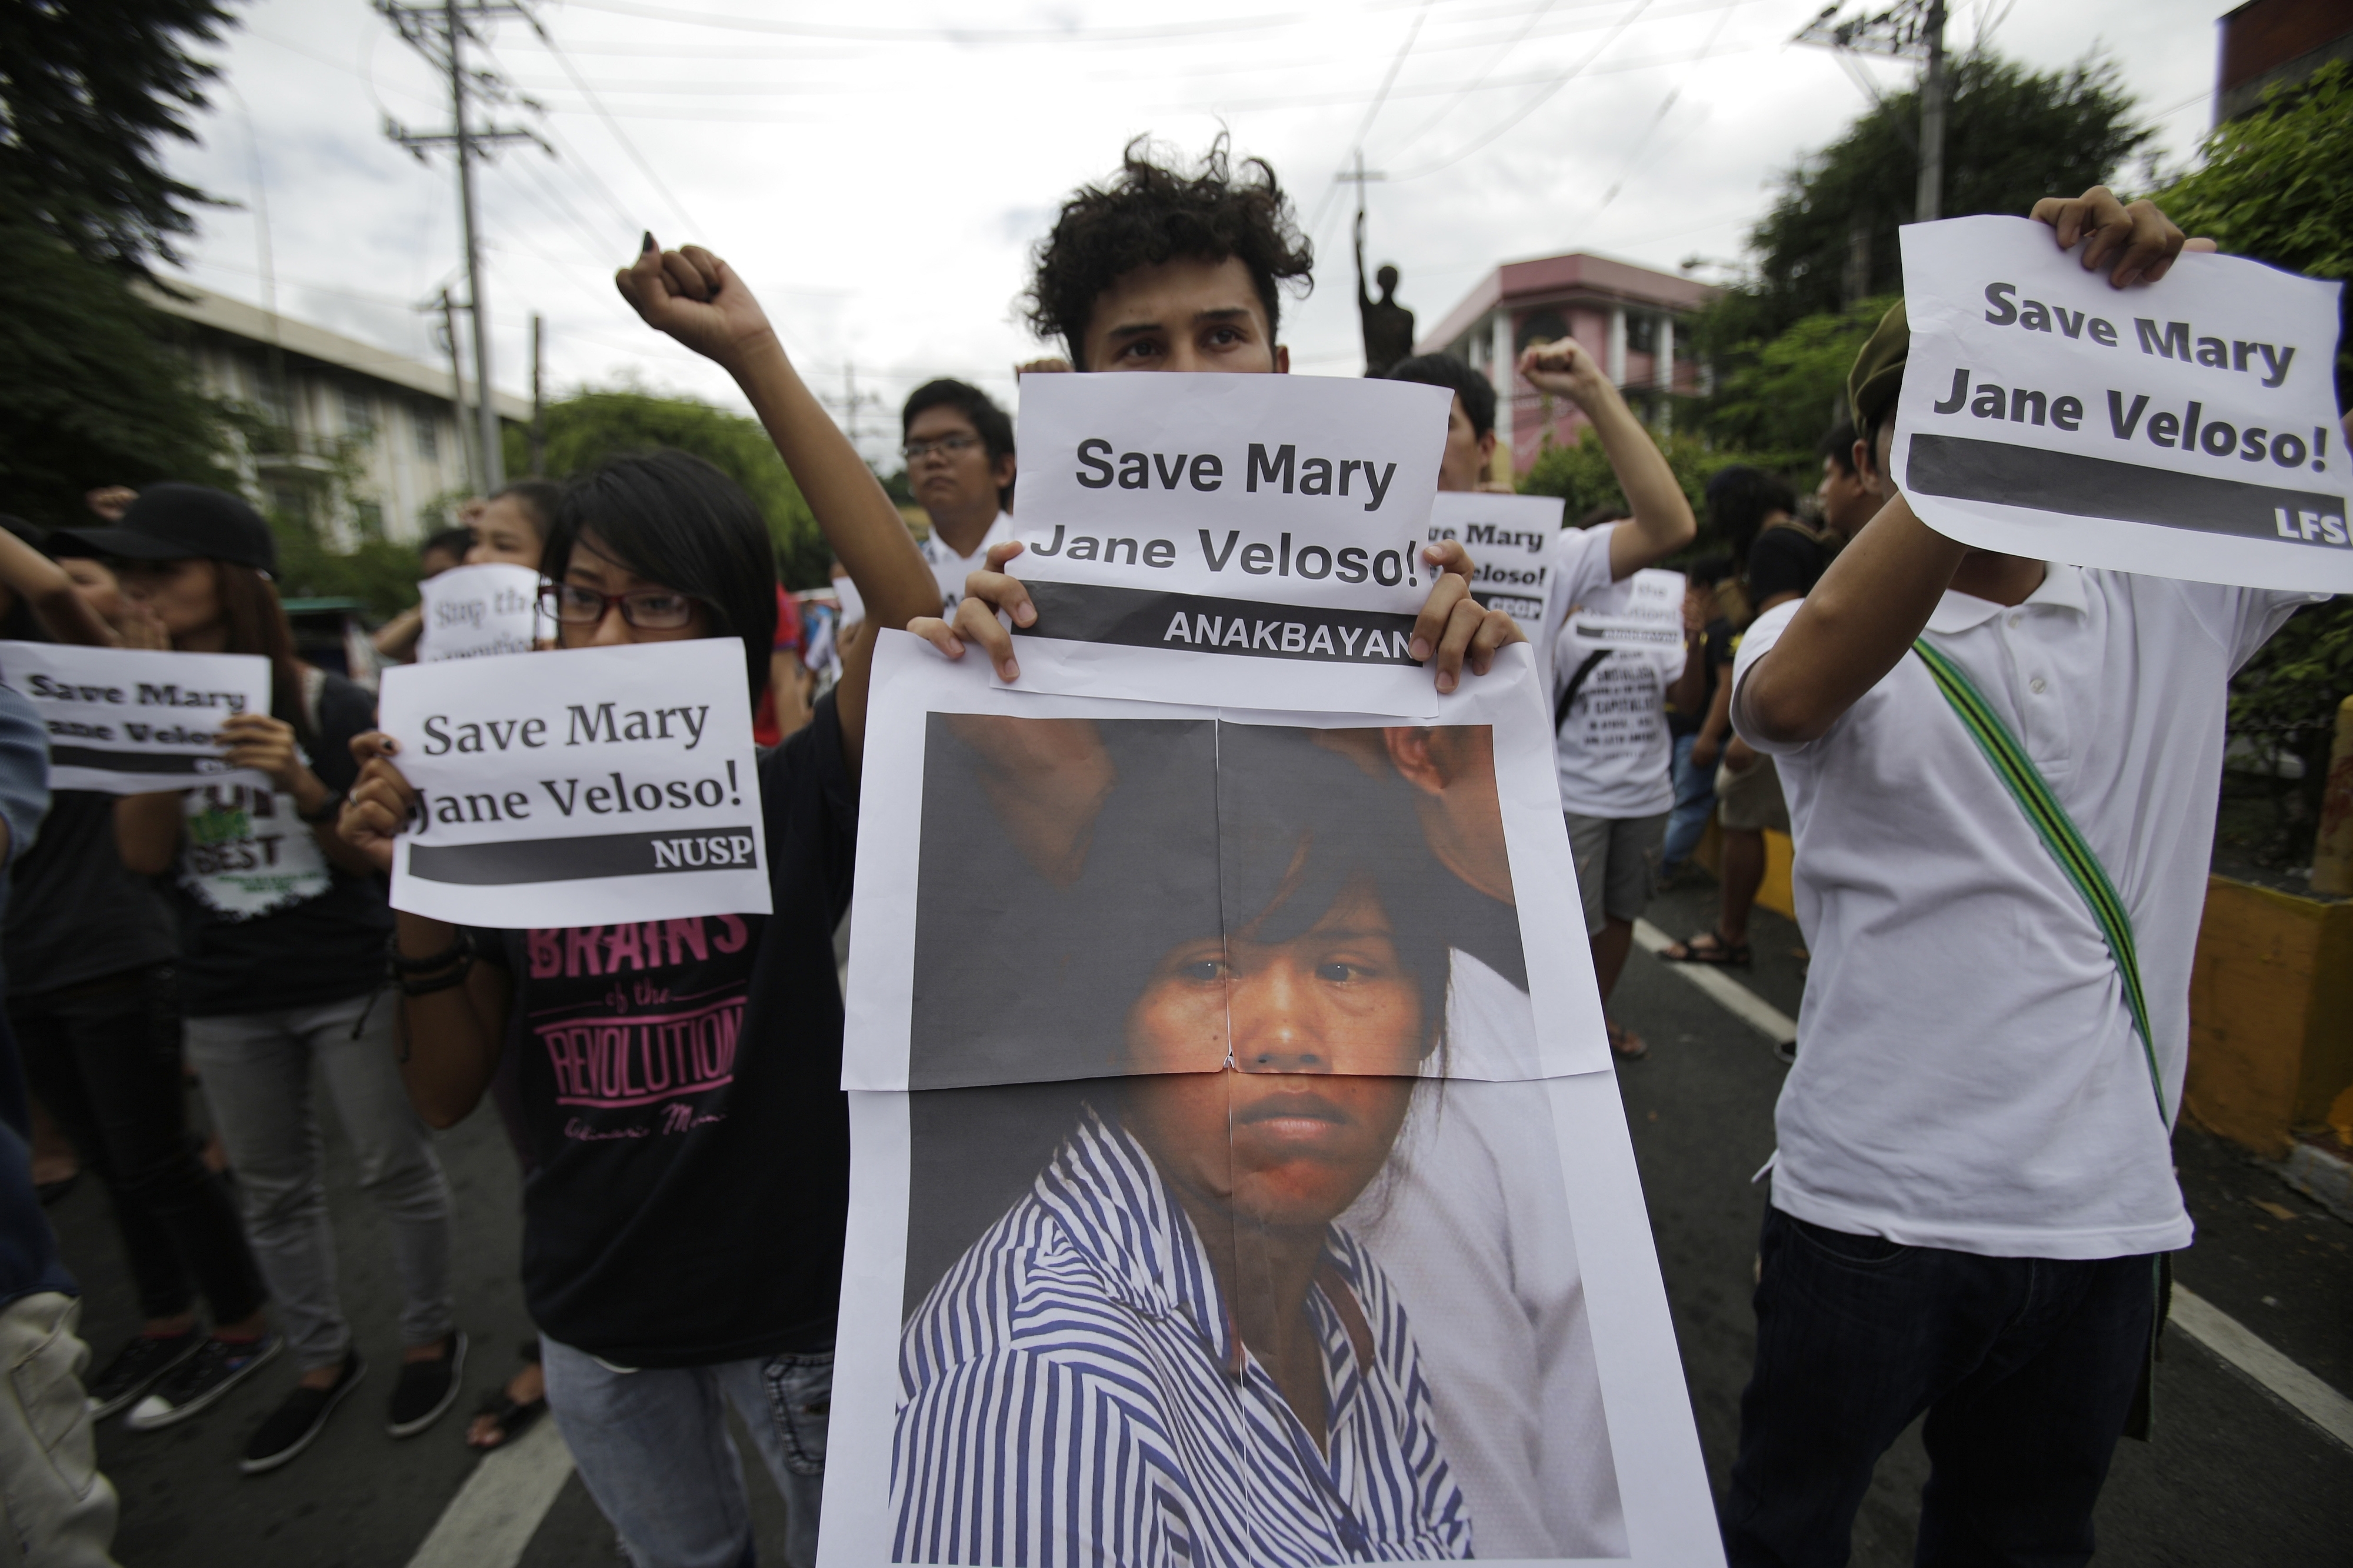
[1641, 334]
[370, 517]
[359, 417]
[426, 419]
[289, 501]
[1543, 327]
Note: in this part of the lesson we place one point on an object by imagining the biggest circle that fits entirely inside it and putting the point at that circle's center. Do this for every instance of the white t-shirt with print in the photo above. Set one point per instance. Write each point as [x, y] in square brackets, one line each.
[1614, 754]
[1968, 1075]
[951, 569]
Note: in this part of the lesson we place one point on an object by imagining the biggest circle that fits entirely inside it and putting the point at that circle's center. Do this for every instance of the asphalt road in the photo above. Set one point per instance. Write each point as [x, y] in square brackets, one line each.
[2233, 1475]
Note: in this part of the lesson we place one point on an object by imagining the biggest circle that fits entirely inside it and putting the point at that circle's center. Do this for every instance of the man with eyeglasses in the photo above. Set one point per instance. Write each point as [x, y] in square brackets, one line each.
[959, 452]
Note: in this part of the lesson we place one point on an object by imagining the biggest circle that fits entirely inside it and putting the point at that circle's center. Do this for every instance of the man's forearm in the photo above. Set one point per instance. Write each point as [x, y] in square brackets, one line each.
[1855, 627]
[856, 516]
[1663, 522]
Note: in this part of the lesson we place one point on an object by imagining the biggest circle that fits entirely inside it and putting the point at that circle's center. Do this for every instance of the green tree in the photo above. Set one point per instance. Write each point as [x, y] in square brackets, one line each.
[1781, 397]
[1581, 475]
[96, 393]
[2012, 135]
[591, 426]
[2277, 185]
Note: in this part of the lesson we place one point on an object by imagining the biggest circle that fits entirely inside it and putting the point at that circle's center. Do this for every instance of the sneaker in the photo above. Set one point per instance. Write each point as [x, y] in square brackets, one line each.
[427, 1388]
[217, 1366]
[302, 1417]
[137, 1368]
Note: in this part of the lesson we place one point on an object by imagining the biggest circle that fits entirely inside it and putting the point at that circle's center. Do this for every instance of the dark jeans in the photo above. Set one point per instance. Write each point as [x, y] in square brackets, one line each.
[2026, 1367]
[105, 1057]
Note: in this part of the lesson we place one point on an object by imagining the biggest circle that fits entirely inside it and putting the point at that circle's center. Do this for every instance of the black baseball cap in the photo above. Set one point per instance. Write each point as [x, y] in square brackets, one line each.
[175, 521]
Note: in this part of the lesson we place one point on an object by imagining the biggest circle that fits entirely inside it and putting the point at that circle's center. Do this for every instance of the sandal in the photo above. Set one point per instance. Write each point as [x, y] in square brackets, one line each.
[509, 1418]
[1708, 947]
[1626, 1045]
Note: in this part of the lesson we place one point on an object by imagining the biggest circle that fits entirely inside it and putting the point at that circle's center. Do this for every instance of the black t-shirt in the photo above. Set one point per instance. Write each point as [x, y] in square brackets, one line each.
[1783, 561]
[681, 1087]
[1716, 652]
[266, 920]
[75, 912]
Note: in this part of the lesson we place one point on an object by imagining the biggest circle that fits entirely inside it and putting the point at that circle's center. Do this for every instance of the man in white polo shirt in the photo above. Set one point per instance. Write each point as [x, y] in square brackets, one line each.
[959, 450]
[1974, 1184]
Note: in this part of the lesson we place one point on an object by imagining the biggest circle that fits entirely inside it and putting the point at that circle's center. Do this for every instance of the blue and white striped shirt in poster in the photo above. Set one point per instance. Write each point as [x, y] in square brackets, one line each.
[1074, 1395]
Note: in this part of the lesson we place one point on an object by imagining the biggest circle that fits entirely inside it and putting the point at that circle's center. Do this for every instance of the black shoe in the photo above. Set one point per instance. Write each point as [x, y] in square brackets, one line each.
[217, 1366]
[302, 1417]
[137, 1368]
[427, 1388]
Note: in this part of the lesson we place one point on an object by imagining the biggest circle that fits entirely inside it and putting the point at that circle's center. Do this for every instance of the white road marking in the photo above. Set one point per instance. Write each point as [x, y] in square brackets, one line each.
[1733, 996]
[2192, 1314]
[492, 1519]
[2237, 1344]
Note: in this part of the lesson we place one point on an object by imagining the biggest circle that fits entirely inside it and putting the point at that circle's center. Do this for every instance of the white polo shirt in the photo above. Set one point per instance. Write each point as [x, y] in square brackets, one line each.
[1968, 1073]
[951, 569]
[1614, 754]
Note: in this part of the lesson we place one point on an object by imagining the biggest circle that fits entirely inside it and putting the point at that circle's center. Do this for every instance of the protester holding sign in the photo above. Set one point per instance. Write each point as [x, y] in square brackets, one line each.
[281, 930]
[1609, 703]
[2001, 774]
[90, 948]
[681, 1078]
[395, 640]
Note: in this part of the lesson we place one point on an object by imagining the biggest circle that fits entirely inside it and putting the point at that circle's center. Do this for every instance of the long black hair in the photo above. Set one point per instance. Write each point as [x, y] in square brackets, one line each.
[672, 519]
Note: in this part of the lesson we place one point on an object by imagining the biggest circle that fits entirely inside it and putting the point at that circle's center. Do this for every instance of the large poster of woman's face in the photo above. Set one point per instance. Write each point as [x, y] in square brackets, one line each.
[1311, 1297]
[1218, 1199]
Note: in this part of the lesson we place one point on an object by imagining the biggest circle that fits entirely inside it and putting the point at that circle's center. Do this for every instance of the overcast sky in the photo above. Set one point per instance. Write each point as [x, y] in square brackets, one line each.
[880, 182]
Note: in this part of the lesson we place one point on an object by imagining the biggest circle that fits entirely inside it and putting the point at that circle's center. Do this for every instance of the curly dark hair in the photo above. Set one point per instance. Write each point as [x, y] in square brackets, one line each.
[1153, 211]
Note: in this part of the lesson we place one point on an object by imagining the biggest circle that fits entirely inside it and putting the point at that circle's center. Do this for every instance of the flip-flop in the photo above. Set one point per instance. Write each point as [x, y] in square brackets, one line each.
[1626, 1045]
[1709, 947]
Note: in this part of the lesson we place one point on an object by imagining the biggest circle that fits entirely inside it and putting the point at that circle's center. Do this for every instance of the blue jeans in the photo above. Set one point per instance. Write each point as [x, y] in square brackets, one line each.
[1694, 798]
[2026, 1367]
[653, 1448]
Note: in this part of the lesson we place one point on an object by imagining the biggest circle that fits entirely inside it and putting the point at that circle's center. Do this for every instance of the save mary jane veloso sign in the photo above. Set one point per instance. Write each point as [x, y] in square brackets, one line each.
[2188, 429]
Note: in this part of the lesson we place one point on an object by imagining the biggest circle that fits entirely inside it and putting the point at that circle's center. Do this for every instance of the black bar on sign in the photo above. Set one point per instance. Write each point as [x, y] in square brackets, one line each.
[1969, 470]
[193, 764]
[513, 860]
[1146, 617]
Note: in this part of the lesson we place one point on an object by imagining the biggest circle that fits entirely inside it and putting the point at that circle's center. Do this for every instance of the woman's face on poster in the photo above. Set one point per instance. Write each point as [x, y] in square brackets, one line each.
[1321, 1034]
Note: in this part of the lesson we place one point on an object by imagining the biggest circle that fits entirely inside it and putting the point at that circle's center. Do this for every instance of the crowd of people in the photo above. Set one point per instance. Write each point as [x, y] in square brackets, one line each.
[1972, 1198]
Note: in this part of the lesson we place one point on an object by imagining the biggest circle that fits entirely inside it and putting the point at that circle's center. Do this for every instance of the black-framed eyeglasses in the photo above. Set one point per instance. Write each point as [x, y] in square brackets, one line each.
[649, 609]
[945, 446]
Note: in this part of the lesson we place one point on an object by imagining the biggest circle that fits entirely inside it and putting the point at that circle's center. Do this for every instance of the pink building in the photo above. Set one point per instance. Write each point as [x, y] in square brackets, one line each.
[1632, 320]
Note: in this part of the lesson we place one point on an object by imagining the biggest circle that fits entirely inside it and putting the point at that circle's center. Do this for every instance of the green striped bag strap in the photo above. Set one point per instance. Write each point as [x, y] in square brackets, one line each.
[2060, 836]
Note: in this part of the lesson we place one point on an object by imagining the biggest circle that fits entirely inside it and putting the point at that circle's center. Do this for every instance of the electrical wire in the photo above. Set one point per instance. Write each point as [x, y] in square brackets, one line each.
[1533, 103]
[1535, 15]
[613, 125]
[1634, 158]
[967, 37]
[1356, 143]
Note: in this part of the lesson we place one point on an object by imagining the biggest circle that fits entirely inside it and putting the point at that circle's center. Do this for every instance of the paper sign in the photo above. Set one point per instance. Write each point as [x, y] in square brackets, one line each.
[1235, 525]
[131, 721]
[1098, 944]
[581, 787]
[1644, 614]
[2186, 430]
[1510, 539]
[471, 611]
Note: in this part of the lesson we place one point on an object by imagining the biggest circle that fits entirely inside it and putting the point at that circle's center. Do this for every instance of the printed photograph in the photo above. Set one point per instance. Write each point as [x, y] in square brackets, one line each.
[1095, 896]
[1234, 1318]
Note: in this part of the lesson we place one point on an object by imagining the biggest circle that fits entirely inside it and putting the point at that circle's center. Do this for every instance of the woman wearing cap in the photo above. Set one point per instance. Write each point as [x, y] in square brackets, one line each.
[283, 937]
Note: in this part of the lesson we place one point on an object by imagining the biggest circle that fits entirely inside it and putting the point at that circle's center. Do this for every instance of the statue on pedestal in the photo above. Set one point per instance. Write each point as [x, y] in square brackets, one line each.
[1388, 326]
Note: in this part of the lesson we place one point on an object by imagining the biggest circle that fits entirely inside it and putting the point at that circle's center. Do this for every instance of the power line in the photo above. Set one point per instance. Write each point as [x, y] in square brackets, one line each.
[1538, 100]
[1535, 15]
[1665, 104]
[614, 125]
[1356, 143]
[963, 36]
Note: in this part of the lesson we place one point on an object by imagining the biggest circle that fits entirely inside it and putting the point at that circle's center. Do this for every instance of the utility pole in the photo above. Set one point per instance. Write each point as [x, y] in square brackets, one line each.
[439, 32]
[538, 399]
[851, 400]
[1909, 30]
[449, 309]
